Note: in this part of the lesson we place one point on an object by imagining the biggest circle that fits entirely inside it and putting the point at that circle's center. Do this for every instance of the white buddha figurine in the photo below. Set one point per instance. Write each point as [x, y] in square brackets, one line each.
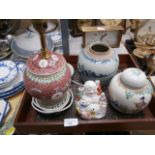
[92, 101]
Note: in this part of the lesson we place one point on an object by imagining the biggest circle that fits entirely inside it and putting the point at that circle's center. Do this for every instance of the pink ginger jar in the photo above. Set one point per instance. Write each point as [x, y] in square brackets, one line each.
[47, 79]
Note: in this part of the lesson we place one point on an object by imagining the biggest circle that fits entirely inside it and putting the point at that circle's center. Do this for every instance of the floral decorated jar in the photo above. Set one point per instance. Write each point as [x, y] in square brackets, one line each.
[97, 62]
[91, 102]
[130, 91]
[47, 79]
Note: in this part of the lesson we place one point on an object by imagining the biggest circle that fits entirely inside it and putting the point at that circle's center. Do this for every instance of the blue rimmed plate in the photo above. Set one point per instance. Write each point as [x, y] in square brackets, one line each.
[17, 85]
[3, 108]
[8, 72]
[13, 93]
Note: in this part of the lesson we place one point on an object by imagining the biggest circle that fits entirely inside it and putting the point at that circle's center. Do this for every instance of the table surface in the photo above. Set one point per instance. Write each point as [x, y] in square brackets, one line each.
[7, 127]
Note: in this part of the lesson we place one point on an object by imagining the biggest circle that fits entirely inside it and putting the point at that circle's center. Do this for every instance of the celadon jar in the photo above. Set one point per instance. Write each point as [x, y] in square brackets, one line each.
[97, 62]
[130, 91]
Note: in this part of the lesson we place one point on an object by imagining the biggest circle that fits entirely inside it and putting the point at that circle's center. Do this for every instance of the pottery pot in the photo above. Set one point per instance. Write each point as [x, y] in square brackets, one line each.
[97, 62]
[130, 91]
[47, 79]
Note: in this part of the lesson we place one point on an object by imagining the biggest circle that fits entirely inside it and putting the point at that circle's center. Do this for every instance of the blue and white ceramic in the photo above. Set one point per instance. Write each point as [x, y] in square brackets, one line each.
[130, 91]
[28, 44]
[8, 72]
[17, 58]
[21, 66]
[3, 108]
[7, 109]
[57, 39]
[97, 62]
[16, 86]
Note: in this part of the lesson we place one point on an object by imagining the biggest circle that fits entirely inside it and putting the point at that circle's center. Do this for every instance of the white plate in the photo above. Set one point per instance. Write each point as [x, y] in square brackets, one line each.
[3, 107]
[8, 72]
[16, 86]
[55, 107]
[68, 105]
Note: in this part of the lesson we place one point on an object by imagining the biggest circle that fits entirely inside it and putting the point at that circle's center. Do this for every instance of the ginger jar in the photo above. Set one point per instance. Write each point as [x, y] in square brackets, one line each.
[47, 79]
[97, 62]
[130, 91]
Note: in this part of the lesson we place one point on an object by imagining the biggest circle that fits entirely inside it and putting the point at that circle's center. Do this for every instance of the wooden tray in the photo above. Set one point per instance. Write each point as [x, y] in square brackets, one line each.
[29, 121]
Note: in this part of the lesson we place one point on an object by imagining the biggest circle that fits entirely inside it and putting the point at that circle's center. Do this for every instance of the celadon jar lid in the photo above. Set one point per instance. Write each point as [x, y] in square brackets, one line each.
[51, 65]
[133, 77]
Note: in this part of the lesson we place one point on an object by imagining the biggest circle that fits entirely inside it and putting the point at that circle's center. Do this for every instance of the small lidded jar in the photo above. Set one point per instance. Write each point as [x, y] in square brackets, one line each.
[130, 91]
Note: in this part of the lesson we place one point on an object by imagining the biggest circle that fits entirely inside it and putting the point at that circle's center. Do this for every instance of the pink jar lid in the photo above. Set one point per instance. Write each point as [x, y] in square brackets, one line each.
[41, 66]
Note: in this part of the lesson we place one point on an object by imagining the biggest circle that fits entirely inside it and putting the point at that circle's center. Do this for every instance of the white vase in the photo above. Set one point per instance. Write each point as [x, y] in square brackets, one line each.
[130, 91]
[97, 62]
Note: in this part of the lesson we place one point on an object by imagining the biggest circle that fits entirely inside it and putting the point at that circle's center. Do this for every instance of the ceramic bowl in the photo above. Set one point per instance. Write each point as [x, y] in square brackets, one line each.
[28, 44]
